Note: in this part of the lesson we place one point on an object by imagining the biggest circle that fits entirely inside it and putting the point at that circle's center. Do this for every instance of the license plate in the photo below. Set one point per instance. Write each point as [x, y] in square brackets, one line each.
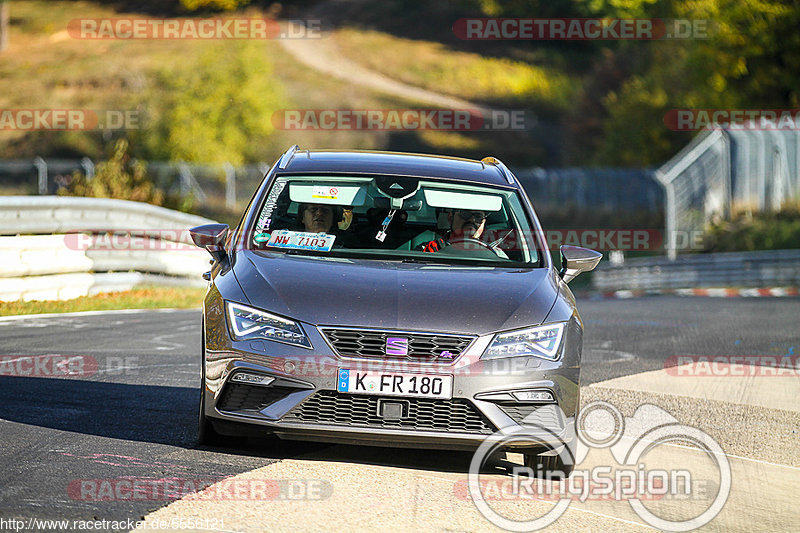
[299, 240]
[395, 384]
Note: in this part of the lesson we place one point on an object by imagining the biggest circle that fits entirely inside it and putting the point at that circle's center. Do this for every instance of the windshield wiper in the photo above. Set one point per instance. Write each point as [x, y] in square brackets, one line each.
[424, 261]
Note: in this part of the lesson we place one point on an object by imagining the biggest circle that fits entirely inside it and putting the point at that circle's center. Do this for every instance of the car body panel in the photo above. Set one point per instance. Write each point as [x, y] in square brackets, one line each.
[396, 295]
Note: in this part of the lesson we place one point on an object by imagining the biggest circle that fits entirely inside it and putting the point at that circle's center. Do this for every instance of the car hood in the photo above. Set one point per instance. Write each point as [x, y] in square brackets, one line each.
[395, 295]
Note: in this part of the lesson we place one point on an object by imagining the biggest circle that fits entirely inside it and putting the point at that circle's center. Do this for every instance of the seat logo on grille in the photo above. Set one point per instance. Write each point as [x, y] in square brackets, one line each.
[396, 346]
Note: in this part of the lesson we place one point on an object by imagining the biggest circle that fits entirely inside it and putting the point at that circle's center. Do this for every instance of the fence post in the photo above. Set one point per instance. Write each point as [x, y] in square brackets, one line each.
[88, 167]
[672, 251]
[189, 184]
[230, 186]
[41, 169]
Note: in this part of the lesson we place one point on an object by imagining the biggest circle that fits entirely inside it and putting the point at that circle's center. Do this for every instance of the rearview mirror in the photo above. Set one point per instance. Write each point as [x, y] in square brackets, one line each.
[212, 238]
[575, 260]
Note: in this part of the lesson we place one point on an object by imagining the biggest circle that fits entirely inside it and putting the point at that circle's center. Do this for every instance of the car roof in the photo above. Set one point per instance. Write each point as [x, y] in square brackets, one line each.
[489, 171]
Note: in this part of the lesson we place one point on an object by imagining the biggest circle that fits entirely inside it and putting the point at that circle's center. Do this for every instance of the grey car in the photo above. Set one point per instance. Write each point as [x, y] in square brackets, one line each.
[389, 299]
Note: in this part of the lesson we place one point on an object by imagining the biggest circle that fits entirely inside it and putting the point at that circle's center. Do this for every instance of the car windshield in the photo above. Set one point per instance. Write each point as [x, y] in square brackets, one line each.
[390, 217]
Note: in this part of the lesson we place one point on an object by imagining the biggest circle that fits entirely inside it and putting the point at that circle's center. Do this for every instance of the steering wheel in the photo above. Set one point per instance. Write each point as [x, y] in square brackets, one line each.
[464, 243]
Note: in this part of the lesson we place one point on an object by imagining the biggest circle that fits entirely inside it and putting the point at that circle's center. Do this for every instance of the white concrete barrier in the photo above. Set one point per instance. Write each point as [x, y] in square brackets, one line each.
[68, 286]
[764, 268]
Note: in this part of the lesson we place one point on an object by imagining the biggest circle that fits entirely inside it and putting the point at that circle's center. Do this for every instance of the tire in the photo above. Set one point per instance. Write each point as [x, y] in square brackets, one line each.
[206, 434]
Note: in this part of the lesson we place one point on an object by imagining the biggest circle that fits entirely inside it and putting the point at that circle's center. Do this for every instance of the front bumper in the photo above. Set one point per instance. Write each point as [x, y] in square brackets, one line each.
[302, 403]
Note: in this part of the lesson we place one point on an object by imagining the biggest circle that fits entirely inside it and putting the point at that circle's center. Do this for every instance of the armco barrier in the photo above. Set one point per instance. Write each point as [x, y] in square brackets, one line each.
[769, 268]
[27, 215]
[123, 244]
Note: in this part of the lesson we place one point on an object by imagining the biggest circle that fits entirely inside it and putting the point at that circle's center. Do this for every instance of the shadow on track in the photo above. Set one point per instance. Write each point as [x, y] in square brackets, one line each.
[158, 414]
[168, 415]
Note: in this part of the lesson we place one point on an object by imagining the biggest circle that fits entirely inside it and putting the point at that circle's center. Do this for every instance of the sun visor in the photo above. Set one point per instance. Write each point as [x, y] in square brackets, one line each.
[462, 200]
[332, 193]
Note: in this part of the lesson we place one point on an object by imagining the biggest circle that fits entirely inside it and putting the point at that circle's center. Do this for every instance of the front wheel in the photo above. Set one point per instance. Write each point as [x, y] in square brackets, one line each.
[206, 434]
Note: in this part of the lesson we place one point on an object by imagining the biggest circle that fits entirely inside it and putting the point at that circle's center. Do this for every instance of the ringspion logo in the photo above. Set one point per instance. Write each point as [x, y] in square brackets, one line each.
[633, 476]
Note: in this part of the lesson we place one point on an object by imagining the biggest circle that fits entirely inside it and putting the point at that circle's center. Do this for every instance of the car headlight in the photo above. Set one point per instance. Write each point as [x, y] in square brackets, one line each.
[247, 323]
[541, 341]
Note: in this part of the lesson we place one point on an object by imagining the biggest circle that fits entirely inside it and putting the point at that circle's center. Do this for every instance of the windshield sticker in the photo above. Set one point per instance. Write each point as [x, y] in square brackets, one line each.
[261, 237]
[265, 219]
[300, 240]
[327, 193]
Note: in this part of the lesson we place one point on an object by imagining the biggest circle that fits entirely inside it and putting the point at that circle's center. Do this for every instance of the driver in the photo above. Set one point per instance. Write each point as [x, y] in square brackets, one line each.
[465, 224]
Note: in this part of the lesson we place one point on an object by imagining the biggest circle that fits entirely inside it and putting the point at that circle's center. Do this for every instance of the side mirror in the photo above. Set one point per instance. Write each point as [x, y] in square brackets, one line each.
[212, 238]
[575, 260]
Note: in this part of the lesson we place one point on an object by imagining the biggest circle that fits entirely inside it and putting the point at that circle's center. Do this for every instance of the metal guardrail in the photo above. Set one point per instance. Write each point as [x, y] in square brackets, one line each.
[64, 247]
[767, 268]
[728, 169]
[25, 215]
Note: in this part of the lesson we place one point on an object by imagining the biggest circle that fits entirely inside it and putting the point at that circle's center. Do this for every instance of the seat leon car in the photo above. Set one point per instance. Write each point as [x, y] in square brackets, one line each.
[390, 299]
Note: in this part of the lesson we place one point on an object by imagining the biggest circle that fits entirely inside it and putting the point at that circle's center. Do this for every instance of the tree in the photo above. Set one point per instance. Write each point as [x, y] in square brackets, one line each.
[224, 5]
[217, 108]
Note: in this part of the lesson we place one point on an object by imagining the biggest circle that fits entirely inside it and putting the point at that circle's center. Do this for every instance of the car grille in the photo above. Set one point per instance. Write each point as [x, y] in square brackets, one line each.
[425, 347]
[250, 398]
[424, 414]
[546, 416]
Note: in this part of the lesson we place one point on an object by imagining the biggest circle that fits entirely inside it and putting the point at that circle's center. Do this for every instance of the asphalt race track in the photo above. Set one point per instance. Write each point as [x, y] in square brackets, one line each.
[133, 416]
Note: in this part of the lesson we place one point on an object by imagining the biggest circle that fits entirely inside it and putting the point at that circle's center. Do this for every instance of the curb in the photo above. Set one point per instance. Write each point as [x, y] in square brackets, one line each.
[713, 292]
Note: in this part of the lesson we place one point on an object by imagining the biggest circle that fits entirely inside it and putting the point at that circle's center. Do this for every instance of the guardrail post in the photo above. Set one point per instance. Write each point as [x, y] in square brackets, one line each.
[88, 167]
[189, 184]
[230, 186]
[41, 169]
[672, 251]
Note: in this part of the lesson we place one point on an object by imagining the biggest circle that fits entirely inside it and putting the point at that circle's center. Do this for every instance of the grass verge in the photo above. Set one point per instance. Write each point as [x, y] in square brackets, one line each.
[143, 298]
[470, 76]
